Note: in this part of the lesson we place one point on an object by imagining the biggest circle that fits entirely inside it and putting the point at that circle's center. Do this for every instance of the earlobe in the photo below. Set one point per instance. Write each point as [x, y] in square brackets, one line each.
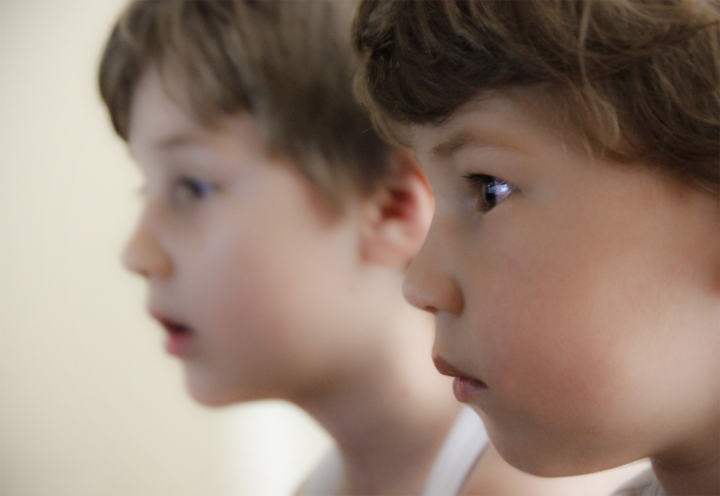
[398, 215]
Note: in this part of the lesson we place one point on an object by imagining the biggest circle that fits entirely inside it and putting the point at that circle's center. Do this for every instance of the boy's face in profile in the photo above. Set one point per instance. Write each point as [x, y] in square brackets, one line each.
[573, 296]
[241, 258]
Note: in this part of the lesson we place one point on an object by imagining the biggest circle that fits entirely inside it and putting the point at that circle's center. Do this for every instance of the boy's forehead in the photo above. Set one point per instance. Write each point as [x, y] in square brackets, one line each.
[159, 120]
[154, 116]
[493, 119]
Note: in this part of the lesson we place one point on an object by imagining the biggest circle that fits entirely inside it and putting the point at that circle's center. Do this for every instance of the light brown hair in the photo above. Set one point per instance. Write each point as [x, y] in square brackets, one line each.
[288, 63]
[638, 79]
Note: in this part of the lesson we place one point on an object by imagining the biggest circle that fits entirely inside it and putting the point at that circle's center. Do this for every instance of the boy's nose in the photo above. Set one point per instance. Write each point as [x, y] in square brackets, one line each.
[429, 285]
[144, 255]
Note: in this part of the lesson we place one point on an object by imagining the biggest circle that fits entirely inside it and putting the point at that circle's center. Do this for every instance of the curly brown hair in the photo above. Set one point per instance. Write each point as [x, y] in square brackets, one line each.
[638, 79]
[288, 63]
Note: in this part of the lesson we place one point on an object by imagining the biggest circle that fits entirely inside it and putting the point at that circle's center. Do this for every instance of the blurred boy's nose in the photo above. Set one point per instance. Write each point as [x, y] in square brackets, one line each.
[144, 255]
[428, 284]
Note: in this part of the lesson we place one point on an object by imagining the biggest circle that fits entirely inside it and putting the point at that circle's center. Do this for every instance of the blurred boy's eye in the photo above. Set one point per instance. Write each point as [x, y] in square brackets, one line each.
[490, 191]
[188, 189]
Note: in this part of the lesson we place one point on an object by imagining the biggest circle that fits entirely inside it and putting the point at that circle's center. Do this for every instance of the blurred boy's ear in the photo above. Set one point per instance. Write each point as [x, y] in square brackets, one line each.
[398, 215]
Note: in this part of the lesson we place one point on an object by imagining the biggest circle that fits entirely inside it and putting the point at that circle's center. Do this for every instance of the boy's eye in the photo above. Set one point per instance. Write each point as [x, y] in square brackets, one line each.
[490, 191]
[188, 188]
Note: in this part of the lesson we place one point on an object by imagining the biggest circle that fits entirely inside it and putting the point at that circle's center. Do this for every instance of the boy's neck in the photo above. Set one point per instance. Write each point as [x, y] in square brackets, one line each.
[694, 470]
[700, 479]
[390, 420]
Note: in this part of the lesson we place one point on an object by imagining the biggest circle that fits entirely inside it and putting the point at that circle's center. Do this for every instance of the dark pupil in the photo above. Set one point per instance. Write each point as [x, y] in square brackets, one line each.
[196, 188]
[491, 192]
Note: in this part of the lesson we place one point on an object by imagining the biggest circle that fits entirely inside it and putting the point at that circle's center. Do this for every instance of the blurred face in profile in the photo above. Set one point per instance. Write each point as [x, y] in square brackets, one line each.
[575, 298]
[247, 271]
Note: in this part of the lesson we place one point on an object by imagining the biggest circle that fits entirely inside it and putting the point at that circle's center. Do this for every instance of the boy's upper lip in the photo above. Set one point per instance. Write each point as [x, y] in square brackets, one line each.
[167, 322]
[445, 368]
[158, 315]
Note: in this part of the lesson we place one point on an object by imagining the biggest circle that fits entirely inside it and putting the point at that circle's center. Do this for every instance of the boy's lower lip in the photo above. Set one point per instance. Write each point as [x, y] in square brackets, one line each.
[178, 343]
[179, 336]
[465, 388]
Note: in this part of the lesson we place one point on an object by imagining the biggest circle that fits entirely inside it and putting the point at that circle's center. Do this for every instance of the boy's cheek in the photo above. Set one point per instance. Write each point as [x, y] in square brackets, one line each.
[536, 327]
[560, 350]
[550, 370]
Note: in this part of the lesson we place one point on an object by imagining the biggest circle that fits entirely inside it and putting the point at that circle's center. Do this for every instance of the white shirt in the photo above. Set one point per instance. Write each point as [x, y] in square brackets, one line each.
[645, 484]
[456, 458]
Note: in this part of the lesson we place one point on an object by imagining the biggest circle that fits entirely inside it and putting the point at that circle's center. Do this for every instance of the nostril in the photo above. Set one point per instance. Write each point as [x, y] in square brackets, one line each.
[429, 308]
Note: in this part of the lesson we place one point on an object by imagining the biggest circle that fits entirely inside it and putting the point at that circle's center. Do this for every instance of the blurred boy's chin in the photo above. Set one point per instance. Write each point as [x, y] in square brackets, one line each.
[214, 388]
[207, 390]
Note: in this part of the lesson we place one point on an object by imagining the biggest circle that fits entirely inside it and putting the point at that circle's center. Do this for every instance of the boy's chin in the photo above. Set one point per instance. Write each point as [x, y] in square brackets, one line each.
[211, 400]
[552, 466]
[205, 391]
[554, 458]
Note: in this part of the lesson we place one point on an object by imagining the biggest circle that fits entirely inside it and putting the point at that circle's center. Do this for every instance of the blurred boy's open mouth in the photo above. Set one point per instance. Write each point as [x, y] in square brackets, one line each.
[464, 386]
[179, 334]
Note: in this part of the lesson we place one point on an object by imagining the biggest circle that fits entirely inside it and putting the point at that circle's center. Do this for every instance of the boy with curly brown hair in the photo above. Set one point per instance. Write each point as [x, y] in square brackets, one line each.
[573, 262]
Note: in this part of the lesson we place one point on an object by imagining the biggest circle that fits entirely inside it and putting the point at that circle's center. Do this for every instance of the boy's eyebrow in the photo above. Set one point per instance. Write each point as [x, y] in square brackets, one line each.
[451, 145]
[176, 141]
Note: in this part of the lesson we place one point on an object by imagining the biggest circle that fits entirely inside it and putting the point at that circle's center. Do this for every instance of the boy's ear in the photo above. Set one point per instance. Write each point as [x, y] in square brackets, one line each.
[397, 216]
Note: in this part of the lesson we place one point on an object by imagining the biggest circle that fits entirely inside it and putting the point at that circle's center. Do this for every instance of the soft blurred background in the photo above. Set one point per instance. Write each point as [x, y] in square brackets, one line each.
[89, 402]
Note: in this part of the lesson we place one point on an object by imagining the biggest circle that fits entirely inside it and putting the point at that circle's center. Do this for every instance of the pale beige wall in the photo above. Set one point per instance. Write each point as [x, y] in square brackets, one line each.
[89, 403]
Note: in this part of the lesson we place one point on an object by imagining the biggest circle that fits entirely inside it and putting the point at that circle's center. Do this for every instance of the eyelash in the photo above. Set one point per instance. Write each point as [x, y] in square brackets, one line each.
[489, 190]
